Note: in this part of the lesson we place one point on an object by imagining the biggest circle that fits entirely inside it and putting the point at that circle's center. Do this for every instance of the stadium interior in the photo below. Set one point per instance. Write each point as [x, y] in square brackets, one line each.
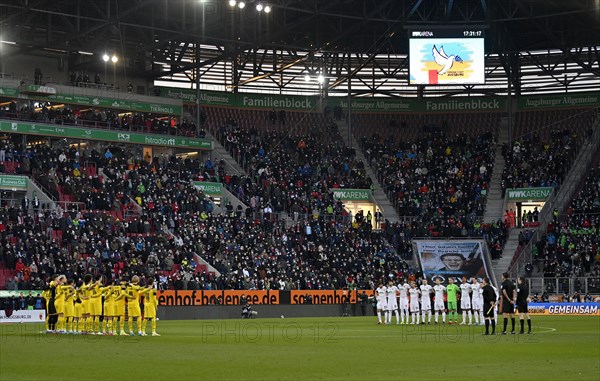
[294, 104]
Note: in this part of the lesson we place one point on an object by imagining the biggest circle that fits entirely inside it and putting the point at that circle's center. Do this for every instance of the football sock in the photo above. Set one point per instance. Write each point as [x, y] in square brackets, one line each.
[464, 316]
[487, 327]
[379, 316]
[444, 316]
[396, 312]
[505, 324]
[522, 322]
[154, 323]
[529, 325]
[470, 316]
[512, 322]
[493, 326]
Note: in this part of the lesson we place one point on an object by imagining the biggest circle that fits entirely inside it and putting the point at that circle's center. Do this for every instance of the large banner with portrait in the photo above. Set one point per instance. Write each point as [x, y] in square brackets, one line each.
[448, 258]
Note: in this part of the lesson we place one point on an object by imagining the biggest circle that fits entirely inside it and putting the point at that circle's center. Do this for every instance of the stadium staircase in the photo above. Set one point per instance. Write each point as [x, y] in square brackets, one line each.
[510, 248]
[220, 153]
[231, 166]
[384, 204]
[495, 202]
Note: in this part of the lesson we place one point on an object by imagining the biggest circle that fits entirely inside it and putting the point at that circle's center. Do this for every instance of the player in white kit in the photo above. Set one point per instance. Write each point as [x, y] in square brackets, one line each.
[426, 291]
[465, 301]
[438, 304]
[392, 302]
[403, 288]
[381, 295]
[414, 293]
[477, 301]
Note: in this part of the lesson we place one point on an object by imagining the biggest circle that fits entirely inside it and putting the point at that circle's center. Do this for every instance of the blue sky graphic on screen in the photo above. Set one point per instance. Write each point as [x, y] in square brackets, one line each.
[434, 61]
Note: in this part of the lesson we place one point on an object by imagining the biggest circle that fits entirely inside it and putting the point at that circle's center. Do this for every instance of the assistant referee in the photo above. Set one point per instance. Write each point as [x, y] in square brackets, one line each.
[489, 303]
[522, 299]
[509, 298]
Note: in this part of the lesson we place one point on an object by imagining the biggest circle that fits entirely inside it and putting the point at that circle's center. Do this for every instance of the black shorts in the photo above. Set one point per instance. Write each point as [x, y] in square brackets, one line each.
[488, 312]
[522, 307]
[508, 307]
[51, 307]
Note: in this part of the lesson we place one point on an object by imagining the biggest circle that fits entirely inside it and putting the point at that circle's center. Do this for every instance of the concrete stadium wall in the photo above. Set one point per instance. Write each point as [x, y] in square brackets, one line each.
[264, 311]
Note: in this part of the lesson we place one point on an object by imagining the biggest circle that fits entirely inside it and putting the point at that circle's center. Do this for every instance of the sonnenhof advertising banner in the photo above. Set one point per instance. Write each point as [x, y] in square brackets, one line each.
[61, 131]
[170, 298]
[448, 258]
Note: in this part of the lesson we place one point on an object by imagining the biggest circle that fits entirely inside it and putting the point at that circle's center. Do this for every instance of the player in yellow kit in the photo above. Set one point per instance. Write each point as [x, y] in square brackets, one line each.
[118, 295]
[69, 308]
[59, 303]
[96, 304]
[150, 306]
[47, 294]
[133, 304]
[77, 312]
[84, 294]
[109, 309]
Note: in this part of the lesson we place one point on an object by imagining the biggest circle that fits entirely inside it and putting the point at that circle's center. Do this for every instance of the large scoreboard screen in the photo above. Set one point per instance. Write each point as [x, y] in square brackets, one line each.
[446, 57]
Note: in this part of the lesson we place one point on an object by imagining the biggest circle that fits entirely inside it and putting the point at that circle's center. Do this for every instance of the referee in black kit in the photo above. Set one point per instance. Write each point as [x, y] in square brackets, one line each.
[522, 299]
[509, 298]
[489, 302]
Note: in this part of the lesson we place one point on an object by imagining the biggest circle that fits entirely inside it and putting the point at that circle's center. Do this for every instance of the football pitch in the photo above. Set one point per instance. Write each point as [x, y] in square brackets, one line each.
[560, 348]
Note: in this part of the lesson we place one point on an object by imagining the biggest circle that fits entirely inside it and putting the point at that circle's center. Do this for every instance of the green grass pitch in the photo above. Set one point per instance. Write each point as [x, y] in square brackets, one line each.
[561, 348]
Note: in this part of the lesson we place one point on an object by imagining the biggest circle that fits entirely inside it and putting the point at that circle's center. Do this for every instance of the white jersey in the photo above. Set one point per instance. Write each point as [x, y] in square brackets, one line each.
[439, 296]
[496, 291]
[465, 298]
[392, 298]
[403, 288]
[414, 299]
[404, 291]
[381, 298]
[426, 297]
[477, 292]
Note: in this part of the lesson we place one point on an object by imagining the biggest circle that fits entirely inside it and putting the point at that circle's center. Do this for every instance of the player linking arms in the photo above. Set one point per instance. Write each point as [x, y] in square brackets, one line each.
[438, 305]
[133, 304]
[451, 291]
[150, 306]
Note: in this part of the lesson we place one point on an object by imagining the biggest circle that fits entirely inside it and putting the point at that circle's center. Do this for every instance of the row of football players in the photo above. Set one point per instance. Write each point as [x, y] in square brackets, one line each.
[95, 309]
[416, 302]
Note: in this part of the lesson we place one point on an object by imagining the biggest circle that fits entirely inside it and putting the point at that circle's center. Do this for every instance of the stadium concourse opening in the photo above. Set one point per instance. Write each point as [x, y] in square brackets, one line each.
[359, 202]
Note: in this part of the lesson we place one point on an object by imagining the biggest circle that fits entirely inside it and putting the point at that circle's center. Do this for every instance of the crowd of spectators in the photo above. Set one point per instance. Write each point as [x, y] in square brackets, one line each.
[291, 169]
[572, 244]
[174, 225]
[534, 162]
[440, 182]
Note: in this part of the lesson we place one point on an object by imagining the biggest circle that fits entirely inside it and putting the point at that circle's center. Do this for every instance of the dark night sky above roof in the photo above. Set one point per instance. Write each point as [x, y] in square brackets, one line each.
[334, 25]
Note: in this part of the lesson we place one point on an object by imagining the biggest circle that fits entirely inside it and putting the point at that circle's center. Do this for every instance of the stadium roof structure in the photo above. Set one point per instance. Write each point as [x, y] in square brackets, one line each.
[536, 45]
